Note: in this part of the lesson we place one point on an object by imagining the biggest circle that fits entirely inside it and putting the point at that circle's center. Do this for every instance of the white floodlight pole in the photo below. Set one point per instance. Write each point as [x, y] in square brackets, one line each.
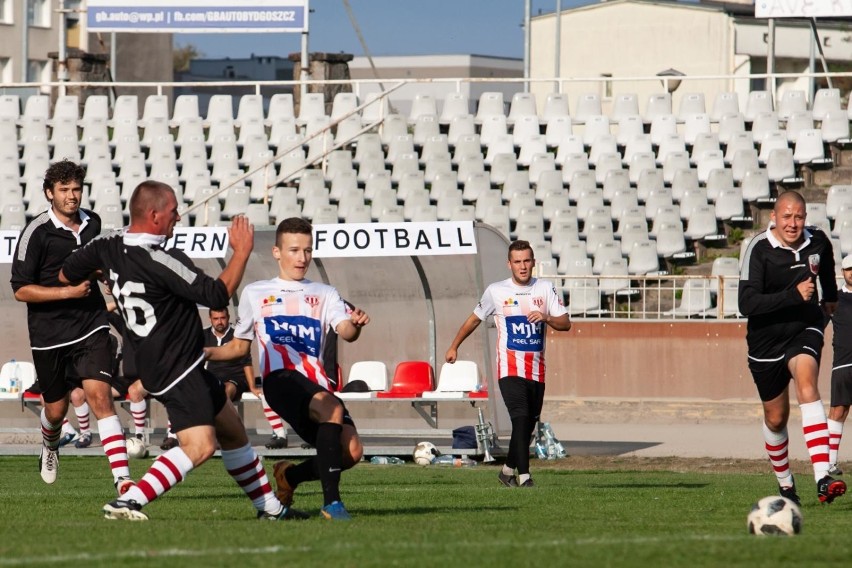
[557, 62]
[770, 59]
[25, 40]
[306, 70]
[83, 26]
[62, 59]
[527, 39]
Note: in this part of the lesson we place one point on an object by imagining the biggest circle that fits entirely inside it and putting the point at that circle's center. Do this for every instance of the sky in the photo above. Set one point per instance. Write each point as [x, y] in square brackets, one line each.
[393, 27]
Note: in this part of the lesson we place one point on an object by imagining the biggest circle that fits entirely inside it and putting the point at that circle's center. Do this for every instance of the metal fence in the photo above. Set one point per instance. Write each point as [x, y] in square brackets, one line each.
[669, 297]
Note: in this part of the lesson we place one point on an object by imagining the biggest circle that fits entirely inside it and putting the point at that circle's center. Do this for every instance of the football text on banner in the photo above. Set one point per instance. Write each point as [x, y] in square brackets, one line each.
[196, 242]
[197, 16]
[802, 8]
[394, 239]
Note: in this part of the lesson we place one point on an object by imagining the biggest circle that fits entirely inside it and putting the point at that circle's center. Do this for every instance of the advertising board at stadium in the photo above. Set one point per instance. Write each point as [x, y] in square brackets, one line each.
[341, 240]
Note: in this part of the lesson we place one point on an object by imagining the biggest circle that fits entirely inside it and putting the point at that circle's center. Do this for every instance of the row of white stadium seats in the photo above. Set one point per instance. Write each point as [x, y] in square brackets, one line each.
[251, 107]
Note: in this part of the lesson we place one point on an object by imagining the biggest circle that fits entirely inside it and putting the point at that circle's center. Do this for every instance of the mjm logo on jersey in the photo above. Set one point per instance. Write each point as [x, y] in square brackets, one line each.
[300, 333]
[522, 335]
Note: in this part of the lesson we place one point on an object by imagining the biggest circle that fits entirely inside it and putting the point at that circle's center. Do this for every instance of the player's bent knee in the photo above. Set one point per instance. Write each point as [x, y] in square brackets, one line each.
[325, 407]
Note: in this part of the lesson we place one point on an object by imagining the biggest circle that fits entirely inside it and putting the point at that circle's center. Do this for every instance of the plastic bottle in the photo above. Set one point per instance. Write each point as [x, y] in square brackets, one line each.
[454, 461]
[386, 460]
[15, 380]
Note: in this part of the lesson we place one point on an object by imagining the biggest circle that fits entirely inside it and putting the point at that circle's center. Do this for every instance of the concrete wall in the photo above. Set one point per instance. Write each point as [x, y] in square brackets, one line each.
[656, 360]
[627, 39]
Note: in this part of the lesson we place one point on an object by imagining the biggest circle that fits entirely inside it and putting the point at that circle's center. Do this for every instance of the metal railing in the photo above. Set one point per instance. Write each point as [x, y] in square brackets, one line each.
[631, 297]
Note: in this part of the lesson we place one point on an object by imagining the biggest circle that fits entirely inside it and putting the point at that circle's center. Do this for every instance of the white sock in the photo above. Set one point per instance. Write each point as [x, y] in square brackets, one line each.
[115, 448]
[776, 447]
[167, 471]
[835, 433]
[522, 478]
[508, 470]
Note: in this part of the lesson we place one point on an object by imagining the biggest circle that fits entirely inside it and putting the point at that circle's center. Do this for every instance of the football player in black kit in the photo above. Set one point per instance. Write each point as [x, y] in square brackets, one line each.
[157, 292]
[841, 368]
[786, 321]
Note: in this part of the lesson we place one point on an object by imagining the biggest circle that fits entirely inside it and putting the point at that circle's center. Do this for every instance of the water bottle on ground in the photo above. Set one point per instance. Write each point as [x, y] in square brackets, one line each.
[454, 461]
[386, 460]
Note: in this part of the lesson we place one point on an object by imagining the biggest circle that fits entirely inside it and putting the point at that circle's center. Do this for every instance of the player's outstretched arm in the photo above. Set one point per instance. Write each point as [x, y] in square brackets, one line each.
[235, 349]
[469, 325]
[241, 240]
[350, 330]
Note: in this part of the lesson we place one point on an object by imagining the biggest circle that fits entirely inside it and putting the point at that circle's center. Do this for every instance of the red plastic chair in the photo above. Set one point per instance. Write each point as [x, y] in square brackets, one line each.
[410, 379]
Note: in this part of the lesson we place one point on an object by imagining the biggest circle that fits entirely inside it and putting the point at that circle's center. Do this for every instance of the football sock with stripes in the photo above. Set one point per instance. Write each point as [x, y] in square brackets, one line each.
[274, 420]
[115, 448]
[50, 432]
[139, 410]
[815, 429]
[167, 471]
[329, 460]
[82, 413]
[776, 447]
[245, 467]
[835, 432]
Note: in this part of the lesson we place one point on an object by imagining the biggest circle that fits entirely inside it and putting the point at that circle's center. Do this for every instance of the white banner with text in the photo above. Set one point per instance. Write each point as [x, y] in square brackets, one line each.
[197, 16]
[394, 239]
[196, 242]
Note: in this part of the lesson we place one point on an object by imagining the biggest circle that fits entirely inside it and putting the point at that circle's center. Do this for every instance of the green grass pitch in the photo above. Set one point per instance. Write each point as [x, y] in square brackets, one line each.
[416, 516]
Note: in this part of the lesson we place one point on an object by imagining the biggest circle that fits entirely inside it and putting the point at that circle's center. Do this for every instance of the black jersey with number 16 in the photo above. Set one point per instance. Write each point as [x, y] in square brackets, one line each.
[157, 292]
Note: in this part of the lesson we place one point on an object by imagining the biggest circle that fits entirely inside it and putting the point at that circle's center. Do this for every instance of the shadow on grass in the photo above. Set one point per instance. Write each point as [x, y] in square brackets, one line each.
[394, 510]
[651, 486]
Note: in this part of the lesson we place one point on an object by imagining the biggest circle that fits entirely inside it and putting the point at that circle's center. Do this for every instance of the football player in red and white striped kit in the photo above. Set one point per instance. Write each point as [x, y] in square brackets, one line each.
[521, 306]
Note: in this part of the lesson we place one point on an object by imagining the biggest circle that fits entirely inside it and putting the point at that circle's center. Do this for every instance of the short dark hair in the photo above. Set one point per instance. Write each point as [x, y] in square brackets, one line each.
[520, 245]
[63, 172]
[149, 194]
[295, 225]
[220, 309]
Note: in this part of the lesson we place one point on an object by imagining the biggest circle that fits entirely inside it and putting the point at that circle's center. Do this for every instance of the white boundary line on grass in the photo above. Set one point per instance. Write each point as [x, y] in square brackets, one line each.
[186, 552]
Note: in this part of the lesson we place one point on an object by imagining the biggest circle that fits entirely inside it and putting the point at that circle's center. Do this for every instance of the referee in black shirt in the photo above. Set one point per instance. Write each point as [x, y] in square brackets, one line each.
[786, 319]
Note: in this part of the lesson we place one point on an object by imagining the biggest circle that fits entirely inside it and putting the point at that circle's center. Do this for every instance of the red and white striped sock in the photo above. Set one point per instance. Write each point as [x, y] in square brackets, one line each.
[815, 428]
[82, 413]
[167, 471]
[245, 467]
[115, 448]
[139, 411]
[50, 433]
[776, 448]
[835, 432]
[273, 419]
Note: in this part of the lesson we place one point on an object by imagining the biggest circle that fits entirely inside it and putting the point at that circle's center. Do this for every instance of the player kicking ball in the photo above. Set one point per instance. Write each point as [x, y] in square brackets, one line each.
[289, 316]
[157, 291]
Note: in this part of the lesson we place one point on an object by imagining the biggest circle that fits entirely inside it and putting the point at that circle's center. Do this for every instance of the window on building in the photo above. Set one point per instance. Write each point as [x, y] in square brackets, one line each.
[39, 13]
[38, 71]
[6, 12]
[606, 86]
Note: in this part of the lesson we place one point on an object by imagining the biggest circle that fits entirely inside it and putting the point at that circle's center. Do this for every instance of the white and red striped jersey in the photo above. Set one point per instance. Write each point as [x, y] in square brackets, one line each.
[289, 320]
[520, 344]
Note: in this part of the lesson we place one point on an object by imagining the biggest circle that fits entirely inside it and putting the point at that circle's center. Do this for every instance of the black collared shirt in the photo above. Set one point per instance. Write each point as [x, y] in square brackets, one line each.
[768, 296]
[43, 246]
[157, 292]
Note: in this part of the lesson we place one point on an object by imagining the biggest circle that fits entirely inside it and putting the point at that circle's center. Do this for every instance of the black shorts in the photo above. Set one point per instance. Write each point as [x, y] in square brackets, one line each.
[523, 397]
[241, 385]
[772, 376]
[289, 394]
[195, 400]
[121, 384]
[59, 369]
[841, 386]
